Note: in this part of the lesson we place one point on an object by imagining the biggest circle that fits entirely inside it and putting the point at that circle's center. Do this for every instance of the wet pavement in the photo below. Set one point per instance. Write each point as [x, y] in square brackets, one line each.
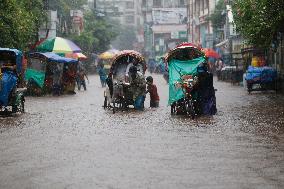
[72, 142]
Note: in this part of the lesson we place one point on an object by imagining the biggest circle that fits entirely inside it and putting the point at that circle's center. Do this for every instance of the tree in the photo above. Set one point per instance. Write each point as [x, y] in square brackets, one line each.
[125, 39]
[19, 22]
[218, 17]
[63, 8]
[259, 21]
[97, 35]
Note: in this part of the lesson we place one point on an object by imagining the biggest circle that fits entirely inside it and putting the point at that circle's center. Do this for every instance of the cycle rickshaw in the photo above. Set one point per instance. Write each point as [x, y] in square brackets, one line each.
[49, 72]
[118, 95]
[191, 90]
[12, 98]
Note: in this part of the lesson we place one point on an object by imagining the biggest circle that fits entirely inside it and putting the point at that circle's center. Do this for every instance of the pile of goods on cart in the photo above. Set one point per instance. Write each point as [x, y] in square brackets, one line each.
[260, 77]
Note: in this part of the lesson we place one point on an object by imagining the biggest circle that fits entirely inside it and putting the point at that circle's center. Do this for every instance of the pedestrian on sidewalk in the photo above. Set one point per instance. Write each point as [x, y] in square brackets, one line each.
[102, 74]
[219, 67]
[56, 80]
[81, 77]
[152, 90]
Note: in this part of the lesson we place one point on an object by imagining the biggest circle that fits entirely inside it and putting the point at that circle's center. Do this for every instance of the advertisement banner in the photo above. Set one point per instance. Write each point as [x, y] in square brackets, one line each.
[169, 15]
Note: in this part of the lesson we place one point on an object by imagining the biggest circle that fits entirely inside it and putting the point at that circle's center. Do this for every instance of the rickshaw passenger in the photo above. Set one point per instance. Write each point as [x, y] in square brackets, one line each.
[9, 66]
[135, 64]
[137, 87]
[102, 74]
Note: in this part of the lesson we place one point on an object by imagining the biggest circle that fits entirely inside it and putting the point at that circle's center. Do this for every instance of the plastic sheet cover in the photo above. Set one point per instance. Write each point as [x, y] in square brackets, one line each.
[8, 82]
[177, 69]
[37, 76]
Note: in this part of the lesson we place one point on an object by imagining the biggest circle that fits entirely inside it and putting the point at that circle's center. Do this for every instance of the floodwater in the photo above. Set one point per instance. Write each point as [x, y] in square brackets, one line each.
[72, 142]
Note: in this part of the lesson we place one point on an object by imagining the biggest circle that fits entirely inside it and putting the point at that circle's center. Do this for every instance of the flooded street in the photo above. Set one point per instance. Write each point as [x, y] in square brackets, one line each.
[72, 142]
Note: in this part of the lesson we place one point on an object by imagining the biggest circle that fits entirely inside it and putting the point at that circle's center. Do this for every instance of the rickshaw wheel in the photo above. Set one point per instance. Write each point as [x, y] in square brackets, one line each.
[173, 109]
[190, 109]
[22, 106]
[113, 108]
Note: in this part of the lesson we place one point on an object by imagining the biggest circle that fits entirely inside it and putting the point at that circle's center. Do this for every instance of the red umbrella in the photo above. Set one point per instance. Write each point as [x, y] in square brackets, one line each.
[210, 53]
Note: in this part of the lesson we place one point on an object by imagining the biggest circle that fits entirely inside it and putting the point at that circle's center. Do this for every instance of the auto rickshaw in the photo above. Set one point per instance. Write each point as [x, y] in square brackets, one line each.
[191, 90]
[49, 73]
[12, 98]
[118, 94]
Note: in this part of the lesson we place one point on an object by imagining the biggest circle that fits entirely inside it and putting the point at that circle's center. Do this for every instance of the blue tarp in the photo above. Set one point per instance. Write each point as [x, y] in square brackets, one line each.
[261, 74]
[8, 82]
[52, 57]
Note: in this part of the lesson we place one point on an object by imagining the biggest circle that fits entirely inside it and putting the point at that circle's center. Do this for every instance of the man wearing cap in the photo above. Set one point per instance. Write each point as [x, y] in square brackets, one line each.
[137, 87]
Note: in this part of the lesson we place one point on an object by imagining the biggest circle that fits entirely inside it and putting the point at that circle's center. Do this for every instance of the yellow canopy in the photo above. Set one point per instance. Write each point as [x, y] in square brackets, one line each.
[106, 55]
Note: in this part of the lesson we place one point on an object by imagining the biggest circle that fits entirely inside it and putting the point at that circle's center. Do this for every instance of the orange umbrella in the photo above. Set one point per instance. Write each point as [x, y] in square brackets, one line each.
[76, 56]
[210, 53]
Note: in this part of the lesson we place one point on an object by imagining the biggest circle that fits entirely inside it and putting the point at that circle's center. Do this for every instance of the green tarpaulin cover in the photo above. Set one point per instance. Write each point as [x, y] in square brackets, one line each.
[37, 76]
[177, 69]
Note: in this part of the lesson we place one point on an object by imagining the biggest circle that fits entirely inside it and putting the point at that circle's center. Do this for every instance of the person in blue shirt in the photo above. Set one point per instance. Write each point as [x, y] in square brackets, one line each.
[102, 74]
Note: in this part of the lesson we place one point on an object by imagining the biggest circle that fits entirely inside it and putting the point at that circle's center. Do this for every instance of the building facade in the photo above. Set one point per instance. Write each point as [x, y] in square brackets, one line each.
[125, 12]
[199, 27]
[165, 25]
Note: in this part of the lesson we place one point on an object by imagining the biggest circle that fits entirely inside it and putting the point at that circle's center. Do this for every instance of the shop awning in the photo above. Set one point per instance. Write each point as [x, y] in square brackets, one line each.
[222, 43]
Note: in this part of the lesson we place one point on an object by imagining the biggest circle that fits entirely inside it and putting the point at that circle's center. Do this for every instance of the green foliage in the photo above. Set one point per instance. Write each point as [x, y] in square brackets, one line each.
[19, 20]
[218, 18]
[97, 35]
[125, 39]
[259, 21]
[63, 8]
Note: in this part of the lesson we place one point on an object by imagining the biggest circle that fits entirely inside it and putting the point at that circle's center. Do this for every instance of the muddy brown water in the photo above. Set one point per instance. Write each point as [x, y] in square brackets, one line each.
[72, 142]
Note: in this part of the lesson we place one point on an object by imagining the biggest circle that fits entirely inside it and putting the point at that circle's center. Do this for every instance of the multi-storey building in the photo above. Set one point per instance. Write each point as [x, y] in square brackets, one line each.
[126, 12]
[199, 26]
[165, 25]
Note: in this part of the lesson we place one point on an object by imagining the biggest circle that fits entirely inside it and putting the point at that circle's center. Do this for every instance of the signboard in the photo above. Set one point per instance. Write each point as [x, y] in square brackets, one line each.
[169, 15]
[175, 35]
[182, 34]
[179, 35]
[161, 42]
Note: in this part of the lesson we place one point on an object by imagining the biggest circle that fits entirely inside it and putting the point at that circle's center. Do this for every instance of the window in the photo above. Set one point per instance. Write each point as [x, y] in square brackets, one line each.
[130, 5]
[129, 19]
[181, 3]
[157, 3]
[206, 4]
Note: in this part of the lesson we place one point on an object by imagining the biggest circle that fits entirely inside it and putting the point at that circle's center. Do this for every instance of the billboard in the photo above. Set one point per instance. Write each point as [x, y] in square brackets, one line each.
[169, 15]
